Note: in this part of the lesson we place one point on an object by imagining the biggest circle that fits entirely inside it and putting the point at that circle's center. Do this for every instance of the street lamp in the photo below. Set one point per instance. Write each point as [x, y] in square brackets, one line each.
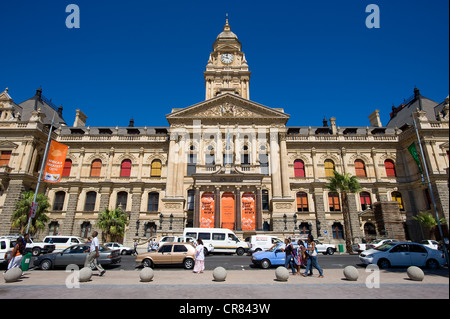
[161, 216]
[171, 221]
[295, 221]
[137, 227]
[285, 221]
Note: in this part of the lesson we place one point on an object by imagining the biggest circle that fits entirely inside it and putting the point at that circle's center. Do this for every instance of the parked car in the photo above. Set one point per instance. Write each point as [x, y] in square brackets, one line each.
[261, 242]
[176, 239]
[76, 254]
[218, 240]
[326, 249]
[359, 247]
[430, 244]
[36, 248]
[63, 242]
[169, 254]
[403, 254]
[379, 242]
[6, 246]
[271, 257]
[123, 250]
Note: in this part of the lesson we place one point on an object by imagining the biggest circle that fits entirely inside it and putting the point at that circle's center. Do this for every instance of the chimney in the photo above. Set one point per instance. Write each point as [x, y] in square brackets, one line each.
[333, 125]
[131, 124]
[325, 122]
[60, 110]
[80, 119]
[375, 119]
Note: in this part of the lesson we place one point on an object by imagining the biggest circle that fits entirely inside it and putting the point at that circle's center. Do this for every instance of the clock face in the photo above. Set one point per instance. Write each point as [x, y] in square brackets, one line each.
[227, 58]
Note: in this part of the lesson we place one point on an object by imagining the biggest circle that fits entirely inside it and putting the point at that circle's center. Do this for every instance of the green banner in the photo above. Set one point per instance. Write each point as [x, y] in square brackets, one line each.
[413, 151]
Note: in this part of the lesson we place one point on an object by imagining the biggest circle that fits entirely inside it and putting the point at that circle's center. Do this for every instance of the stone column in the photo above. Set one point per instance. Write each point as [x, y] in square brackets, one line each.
[275, 163]
[80, 164]
[141, 160]
[197, 207]
[105, 194]
[181, 165]
[171, 166]
[258, 219]
[284, 167]
[110, 163]
[68, 230]
[375, 164]
[238, 207]
[217, 208]
[13, 193]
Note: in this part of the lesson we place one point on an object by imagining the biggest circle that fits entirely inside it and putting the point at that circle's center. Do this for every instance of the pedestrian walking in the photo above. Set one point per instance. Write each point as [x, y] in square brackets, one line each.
[199, 257]
[301, 255]
[18, 252]
[289, 251]
[312, 257]
[93, 255]
[135, 253]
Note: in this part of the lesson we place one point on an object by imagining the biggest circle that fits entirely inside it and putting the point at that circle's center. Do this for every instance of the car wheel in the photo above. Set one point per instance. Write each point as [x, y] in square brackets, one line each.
[188, 263]
[265, 264]
[36, 251]
[123, 252]
[147, 263]
[432, 264]
[384, 263]
[240, 251]
[205, 251]
[46, 264]
[330, 251]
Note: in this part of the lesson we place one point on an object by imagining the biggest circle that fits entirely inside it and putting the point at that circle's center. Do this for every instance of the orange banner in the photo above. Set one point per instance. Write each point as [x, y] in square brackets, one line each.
[55, 162]
[248, 212]
[207, 211]
[228, 207]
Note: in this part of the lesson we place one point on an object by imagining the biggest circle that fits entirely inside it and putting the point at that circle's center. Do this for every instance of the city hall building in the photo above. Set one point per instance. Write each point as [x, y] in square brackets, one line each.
[229, 162]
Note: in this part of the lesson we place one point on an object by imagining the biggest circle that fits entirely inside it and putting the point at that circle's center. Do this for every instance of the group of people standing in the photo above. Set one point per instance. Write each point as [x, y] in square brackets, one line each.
[305, 254]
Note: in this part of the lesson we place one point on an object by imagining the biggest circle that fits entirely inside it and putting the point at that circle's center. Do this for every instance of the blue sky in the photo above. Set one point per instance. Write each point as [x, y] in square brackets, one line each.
[141, 58]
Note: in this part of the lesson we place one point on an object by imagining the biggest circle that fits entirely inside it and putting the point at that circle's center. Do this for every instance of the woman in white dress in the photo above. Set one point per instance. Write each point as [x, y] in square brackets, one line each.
[199, 257]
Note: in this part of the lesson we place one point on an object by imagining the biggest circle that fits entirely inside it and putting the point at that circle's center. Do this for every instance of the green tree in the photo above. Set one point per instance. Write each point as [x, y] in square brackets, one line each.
[19, 218]
[113, 224]
[345, 184]
[428, 222]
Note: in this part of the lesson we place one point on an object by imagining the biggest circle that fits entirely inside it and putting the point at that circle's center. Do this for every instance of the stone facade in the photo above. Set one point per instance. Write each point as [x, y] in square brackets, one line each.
[226, 148]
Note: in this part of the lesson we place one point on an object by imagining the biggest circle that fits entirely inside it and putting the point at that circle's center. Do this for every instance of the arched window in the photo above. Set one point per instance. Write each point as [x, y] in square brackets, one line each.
[122, 198]
[366, 202]
[85, 229]
[58, 203]
[390, 168]
[338, 231]
[67, 168]
[302, 202]
[89, 205]
[125, 168]
[153, 202]
[397, 196]
[360, 168]
[333, 202]
[329, 168]
[304, 229]
[156, 168]
[96, 168]
[299, 168]
[210, 158]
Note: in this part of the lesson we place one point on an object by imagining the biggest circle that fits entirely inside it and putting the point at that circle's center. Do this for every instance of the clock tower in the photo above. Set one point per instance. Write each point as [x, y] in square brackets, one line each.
[227, 69]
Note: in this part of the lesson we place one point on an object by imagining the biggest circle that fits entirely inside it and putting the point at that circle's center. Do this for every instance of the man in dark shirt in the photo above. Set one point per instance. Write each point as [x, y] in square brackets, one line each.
[289, 250]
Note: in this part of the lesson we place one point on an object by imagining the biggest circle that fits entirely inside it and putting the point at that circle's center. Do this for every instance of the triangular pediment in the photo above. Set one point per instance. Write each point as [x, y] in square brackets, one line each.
[5, 145]
[228, 108]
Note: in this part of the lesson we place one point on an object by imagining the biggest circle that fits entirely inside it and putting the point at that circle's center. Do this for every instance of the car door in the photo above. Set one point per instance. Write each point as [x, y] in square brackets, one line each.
[418, 255]
[399, 255]
[71, 255]
[179, 253]
[164, 255]
[279, 256]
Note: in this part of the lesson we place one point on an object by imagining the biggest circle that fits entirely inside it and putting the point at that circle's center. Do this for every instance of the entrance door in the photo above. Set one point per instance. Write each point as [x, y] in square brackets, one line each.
[228, 211]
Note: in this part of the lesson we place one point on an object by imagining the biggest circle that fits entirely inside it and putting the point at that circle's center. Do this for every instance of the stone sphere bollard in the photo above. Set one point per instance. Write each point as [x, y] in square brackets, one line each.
[85, 274]
[220, 274]
[146, 274]
[415, 273]
[13, 274]
[282, 274]
[351, 273]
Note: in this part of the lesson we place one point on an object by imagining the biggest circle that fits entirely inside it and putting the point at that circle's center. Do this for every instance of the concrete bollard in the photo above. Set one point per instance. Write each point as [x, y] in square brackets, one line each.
[415, 273]
[220, 274]
[146, 274]
[282, 274]
[85, 274]
[351, 273]
[12, 274]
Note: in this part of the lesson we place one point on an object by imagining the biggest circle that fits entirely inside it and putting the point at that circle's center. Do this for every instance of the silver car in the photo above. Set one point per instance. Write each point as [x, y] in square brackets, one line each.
[76, 255]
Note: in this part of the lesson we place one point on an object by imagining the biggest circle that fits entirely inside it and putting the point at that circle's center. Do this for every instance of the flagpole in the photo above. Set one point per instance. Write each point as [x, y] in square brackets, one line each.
[40, 173]
[430, 189]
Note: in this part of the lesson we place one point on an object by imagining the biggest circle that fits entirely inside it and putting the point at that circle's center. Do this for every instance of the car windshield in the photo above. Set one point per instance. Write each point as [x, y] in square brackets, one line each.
[273, 248]
[385, 247]
[375, 241]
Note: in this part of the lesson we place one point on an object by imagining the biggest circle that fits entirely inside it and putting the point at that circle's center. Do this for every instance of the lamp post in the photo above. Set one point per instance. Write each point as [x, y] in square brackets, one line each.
[171, 221]
[285, 221]
[161, 216]
[295, 221]
[137, 227]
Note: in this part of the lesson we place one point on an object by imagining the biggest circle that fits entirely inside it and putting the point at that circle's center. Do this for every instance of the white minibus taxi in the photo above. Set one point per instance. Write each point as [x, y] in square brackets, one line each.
[218, 240]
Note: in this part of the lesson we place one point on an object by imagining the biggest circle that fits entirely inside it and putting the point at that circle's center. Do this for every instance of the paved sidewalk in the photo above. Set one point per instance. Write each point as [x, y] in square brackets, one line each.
[258, 284]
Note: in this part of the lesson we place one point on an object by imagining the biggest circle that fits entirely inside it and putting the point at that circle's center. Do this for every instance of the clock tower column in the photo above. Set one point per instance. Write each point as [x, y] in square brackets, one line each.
[227, 69]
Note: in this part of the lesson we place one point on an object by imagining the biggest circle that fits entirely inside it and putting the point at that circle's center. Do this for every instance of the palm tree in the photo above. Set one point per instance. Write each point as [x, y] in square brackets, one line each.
[19, 218]
[112, 223]
[345, 184]
[428, 222]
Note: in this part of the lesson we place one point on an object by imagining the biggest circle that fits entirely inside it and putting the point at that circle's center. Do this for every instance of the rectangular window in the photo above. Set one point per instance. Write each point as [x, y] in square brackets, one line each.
[204, 236]
[333, 201]
[218, 236]
[5, 156]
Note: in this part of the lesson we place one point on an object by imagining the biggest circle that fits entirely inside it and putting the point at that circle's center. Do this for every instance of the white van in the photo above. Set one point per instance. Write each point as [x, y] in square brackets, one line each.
[63, 242]
[262, 242]
[218, 240]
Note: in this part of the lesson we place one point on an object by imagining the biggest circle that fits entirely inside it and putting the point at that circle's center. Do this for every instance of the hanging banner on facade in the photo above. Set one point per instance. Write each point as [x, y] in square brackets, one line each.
[228, 208]
[55, 162]
[248, 212]
[207, 211]
[413, 151]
